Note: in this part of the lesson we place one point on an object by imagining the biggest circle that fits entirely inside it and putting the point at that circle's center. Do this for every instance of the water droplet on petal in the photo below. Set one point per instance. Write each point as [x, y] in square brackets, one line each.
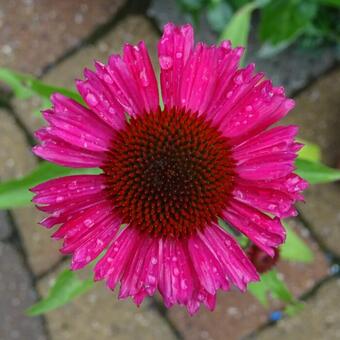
[176, 271]
[154, 260]
[165, 62]
[91, 99]
[151, 279]
[108, 79]
[179, 55]
[184, 284]
[59, 199]
[144, 79]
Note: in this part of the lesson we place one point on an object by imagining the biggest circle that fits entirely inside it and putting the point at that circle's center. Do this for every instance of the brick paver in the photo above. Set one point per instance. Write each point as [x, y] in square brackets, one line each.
[37, 32]
[132, 30]
[16, 295]
[100, 315]
[319, 319]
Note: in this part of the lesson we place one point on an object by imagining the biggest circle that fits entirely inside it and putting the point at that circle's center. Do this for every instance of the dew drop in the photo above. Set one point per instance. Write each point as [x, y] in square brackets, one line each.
[184, 284]
[179, 55]
[176, 271]
[88, 222]
[154, 260]
[91, 99]
[165, 62]
[151, 279]
[108, 79]
[59, 199]
[143, 77]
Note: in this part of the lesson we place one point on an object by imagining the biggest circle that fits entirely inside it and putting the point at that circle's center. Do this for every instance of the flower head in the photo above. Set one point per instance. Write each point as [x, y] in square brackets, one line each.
[170, 174]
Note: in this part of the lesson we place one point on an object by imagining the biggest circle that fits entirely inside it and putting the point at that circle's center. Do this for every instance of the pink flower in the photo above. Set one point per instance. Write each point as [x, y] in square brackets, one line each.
[169, 174]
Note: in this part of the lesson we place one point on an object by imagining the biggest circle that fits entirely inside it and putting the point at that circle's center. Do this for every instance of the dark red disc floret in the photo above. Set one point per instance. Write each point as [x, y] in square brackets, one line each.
[169, 173]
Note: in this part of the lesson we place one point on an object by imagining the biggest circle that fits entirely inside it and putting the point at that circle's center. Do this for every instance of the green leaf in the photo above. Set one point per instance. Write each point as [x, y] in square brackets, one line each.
[310, 151]
[25, 86]
[271, 284]
[66, 288]
[15, 193]
[284, 20]
[315, 172]
[335, 3]
[295, 249]
[237, 29]
[13, 80]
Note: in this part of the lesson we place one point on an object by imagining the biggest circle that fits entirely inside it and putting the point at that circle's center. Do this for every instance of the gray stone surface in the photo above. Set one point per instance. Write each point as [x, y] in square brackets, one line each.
[317, 114]
[100, 315]
[293, 68]
[320, 319]
[16, 295]
[35, 33]
[5, 228]
[132, 30]
[42, 251]
[15, 154]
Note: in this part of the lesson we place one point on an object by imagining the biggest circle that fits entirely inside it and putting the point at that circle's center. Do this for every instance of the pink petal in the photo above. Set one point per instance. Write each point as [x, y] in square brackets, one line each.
[273, 201]
[262, 106]
[101, 100]
[174, 49]
[207, 267]
[264, 231]
[234, 263]
[76, 125]
[91, 245]
[176, 279]
[82, 222]
[116, 260]
[276, 140]
[139, 64]
[55, 150]
[65, 190]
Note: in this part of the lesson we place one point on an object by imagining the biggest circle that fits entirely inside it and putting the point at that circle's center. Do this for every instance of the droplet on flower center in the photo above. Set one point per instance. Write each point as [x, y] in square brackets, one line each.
[169, 173]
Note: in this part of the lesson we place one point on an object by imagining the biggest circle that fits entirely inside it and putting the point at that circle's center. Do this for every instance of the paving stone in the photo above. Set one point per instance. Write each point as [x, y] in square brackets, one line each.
[293, 68]
[320, 319]
[236, 314]
[132, 30]
[5, 228]
[42, 251]
[15, 154]
[17, 160]
[16, 295]
[100, 315]
[317, 114]
[35, 33]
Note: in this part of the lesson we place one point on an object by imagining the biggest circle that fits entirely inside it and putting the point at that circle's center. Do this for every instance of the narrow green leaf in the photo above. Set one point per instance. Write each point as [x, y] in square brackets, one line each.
[295, 249]
[24, 86]
[11, 79]
[15, 193]
[315, 172]
[310, 151]
[237, 29]
[66, 288]
[271, 284]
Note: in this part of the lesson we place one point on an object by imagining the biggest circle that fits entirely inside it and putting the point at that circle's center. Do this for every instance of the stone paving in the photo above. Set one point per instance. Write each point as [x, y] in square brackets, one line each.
[29, 260]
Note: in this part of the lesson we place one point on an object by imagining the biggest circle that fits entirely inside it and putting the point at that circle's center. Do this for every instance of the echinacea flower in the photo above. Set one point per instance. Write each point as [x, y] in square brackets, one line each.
[169, 175]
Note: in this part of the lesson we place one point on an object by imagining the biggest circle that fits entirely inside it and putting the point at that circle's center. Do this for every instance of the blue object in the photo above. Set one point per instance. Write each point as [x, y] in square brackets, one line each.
[275, 316]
